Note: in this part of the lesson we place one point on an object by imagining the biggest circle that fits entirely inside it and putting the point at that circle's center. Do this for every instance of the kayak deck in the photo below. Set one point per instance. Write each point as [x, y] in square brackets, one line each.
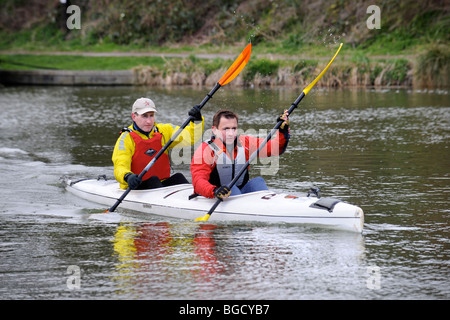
[262, 206]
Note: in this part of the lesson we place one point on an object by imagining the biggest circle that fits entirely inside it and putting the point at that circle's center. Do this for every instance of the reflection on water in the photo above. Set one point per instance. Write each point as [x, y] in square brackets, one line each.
[386, 151]
[188, 260]
[151, 254]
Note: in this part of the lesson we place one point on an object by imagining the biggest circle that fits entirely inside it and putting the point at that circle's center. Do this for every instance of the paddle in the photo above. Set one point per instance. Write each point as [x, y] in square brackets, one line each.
[277, 126]
[231, 73]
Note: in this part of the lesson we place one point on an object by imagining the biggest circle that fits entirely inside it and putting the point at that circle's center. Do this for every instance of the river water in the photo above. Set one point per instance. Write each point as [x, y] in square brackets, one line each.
[386, 151]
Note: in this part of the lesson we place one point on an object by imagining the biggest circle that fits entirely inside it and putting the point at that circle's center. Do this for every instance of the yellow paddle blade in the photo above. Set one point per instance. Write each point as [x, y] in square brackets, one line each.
[204, 218]
[322, 73]
[237, 65]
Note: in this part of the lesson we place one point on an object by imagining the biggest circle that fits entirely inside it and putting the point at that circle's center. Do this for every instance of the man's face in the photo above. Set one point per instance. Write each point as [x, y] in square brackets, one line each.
[227, 130]
[144, 121]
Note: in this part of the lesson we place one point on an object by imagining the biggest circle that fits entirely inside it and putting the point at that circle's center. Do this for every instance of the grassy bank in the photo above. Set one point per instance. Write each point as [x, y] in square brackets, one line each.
[75, 62]
[429, 69]
[291, 40]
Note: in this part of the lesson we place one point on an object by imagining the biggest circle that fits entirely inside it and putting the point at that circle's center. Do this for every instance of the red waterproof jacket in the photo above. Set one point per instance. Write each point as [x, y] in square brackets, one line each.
[203, 166]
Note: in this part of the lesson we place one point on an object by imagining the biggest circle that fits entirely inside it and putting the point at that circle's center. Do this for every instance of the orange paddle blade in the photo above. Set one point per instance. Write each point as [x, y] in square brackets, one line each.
[237, 66]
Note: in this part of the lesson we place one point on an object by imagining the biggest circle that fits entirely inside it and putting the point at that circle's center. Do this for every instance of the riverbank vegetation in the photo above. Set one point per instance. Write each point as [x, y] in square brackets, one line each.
[291, 40]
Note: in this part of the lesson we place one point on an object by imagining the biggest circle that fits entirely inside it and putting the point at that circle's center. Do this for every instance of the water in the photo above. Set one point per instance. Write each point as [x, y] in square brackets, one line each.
[386, 151]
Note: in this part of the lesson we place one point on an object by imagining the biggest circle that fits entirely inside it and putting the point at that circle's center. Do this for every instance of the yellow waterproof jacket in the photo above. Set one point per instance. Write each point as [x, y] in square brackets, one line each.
[125, 146]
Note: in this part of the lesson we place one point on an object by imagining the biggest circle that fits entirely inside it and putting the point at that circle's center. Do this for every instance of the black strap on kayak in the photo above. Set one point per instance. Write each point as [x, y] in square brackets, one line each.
[194, 195]
[325, 204]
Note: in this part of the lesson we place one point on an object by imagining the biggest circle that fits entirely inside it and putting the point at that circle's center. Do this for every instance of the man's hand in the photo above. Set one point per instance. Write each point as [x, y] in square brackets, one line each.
[222, 192]
[195, 113]
[285, 117]
[133, 180]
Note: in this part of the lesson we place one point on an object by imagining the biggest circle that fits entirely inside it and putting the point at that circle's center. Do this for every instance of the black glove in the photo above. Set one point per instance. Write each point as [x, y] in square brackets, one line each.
[222, 192]
[195, 113]
[133, 180]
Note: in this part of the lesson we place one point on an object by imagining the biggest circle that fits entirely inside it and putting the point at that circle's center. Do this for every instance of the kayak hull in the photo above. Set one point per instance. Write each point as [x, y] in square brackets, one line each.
[262, 206]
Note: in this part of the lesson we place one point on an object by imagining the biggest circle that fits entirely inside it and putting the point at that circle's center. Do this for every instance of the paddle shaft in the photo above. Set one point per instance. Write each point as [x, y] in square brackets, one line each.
[164, 148]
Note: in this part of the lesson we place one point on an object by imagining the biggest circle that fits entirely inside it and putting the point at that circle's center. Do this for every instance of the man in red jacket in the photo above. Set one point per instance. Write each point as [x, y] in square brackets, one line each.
[217, 161]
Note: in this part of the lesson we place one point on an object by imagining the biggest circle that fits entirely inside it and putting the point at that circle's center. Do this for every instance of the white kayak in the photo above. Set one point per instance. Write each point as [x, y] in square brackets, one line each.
[261, 206]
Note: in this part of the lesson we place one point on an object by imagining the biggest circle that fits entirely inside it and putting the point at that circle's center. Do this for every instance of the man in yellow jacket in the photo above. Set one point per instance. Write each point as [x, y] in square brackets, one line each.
[141, 141]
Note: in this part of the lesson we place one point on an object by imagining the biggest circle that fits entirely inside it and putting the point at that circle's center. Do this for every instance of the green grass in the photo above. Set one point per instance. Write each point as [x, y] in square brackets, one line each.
[413, 34]
[46, 39]
[396, 69]
[73, 62]
[433, 66]
[263, 67]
